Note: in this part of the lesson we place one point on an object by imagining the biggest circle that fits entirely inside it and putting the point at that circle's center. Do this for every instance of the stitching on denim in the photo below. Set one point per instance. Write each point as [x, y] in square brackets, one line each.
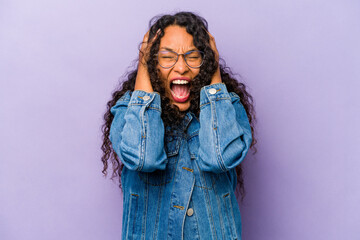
[217, 99]
[203, 179]
[157, 213]
[141, 104]
[133, 230]
[234, 95]
[197, 222]
[154, 108]
[143, 121]
[146, 197]
[204, 104]
[193, 135]
[137, 104]
[188, 169]
[218, 201]
[176, 149]
[207, 188]
[217, 143]
[187, 206]
[228, 217]
[208, 202]
[128, 223]
[217, 138]
[233, 219]
[210, 211]
[179, 207]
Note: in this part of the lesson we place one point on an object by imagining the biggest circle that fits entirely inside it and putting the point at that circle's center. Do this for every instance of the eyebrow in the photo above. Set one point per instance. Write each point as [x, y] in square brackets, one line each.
[169, 49]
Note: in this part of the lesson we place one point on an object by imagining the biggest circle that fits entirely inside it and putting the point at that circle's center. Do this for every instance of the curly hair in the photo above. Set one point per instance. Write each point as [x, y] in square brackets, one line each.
[171, 115]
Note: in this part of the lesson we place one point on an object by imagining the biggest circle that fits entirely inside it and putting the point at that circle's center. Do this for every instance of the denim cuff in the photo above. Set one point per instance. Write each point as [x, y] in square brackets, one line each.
[213, 92]
[151, 100]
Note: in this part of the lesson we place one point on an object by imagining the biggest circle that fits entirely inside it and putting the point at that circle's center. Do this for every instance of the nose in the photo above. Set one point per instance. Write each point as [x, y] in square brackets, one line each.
[181, 66]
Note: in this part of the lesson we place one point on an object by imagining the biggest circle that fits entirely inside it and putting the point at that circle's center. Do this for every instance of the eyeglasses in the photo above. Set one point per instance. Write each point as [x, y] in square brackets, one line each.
[167, 59]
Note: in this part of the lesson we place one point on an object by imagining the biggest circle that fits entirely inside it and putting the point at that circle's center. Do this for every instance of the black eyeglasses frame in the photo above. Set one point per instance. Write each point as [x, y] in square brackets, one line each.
[183, 54]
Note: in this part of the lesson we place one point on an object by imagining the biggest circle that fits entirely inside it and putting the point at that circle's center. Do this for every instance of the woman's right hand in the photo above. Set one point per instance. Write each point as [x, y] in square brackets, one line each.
[143, 78]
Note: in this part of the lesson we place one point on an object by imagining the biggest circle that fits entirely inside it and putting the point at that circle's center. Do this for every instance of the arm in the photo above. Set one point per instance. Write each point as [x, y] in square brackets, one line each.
[137, 131]
[225, 133]
[143, 78]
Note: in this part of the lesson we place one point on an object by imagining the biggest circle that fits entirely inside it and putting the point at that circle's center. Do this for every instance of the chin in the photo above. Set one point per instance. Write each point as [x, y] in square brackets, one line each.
[182, 106]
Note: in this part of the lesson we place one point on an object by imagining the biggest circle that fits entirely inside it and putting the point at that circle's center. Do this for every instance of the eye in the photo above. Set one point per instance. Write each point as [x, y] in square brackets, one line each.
[166, 55]
[193, 55]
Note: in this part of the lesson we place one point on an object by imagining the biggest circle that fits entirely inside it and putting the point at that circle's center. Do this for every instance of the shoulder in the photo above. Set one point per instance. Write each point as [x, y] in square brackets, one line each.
[234, 97]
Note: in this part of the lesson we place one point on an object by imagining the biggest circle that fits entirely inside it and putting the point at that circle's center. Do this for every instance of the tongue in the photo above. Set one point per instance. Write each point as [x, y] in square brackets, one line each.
[180, 89]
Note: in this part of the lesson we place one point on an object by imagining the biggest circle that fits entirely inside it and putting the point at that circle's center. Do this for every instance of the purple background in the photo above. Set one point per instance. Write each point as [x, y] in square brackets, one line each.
[60, 60]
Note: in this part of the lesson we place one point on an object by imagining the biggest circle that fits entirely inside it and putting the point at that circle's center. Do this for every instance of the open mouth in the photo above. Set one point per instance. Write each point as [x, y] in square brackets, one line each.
[180, 90]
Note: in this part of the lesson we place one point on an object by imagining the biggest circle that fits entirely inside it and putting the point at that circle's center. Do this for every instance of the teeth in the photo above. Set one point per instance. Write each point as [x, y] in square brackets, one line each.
[180, 82]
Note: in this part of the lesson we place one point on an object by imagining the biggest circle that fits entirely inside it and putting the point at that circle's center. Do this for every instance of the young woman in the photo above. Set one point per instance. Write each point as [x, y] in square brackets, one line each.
[176, 132]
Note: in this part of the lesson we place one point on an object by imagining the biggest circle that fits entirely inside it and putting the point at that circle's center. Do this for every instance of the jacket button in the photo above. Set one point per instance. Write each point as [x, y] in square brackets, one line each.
[146, 98]
[190, 212]
[212, 91]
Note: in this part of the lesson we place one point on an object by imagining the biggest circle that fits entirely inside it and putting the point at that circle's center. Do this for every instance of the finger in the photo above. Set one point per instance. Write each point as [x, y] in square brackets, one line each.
[212, 39]
[155, 36]
[210, 35]
[146, 45]
[146, 36]
[213, 44]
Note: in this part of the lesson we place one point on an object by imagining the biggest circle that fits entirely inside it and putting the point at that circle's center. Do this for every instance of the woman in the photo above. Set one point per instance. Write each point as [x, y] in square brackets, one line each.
[181, 125]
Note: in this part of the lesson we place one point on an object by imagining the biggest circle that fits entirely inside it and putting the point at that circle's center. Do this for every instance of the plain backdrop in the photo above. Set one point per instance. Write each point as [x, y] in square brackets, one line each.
[60, 61]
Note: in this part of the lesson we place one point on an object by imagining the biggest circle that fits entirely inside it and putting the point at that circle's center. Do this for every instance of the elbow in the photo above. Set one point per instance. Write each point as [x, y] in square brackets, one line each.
[140, 160]
[223, 159]
[129, 157]
[235, 153]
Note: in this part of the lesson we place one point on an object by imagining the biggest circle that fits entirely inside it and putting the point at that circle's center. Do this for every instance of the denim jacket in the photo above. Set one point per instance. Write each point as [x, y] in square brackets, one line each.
[180, 184]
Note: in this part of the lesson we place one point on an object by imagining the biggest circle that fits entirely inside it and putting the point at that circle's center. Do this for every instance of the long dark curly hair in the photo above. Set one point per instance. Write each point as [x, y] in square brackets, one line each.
[171, 116]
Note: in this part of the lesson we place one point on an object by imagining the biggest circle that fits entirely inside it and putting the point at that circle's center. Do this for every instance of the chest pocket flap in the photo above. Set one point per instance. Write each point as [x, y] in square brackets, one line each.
[172, 145]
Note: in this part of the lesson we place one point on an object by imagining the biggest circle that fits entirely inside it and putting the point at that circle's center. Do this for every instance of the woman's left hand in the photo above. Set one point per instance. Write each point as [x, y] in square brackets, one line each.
[216, 78]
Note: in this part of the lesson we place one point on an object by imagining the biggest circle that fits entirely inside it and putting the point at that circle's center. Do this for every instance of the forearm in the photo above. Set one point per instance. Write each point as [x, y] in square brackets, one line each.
[143, 80]
[225, 133]
[138, 133]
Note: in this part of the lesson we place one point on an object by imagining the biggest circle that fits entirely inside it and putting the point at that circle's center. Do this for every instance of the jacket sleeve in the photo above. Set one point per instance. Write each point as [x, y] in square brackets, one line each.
[225, 133]
[137, 131]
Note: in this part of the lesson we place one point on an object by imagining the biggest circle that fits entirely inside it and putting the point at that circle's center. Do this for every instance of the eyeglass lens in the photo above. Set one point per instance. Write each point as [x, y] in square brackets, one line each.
[168, 59]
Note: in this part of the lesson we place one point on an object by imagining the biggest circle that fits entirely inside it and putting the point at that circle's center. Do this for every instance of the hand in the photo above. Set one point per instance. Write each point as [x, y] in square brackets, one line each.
[216, 78]
[143, 78]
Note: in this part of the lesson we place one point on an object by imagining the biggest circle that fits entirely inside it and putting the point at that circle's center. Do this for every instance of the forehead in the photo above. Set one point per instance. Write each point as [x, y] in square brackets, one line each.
[177, 39]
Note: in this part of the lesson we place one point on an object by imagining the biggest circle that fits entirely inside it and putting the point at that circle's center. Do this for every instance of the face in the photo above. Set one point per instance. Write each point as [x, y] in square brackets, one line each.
[177, 79]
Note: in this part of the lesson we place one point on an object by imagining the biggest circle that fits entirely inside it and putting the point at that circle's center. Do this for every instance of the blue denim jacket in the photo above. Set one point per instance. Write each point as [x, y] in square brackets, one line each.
[180, 184]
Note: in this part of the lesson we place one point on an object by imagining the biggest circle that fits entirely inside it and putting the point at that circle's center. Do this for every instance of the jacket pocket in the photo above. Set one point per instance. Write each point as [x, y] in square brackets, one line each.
[172, 145]
[229, 220]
